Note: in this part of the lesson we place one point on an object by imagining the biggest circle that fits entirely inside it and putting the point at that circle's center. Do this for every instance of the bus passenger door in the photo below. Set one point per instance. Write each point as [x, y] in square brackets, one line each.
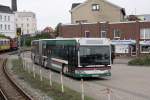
[72, 58]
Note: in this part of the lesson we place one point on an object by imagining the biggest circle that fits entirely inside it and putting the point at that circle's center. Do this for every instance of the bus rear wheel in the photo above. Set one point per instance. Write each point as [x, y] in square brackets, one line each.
[45, 64]
[64, 70]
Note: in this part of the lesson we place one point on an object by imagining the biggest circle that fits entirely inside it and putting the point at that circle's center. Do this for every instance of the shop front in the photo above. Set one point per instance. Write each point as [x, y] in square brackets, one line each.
[124, 47]
[144, 47]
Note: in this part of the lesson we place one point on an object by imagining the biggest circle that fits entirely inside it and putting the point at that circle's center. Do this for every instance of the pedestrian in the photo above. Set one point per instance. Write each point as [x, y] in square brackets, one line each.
[112, 57]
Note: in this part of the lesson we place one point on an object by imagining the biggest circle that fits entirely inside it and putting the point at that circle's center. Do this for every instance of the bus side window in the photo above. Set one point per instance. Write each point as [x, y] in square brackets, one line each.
[65, 54]
[72, 56]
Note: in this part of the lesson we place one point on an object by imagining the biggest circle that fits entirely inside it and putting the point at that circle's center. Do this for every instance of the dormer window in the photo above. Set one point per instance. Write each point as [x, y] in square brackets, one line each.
[95, 7]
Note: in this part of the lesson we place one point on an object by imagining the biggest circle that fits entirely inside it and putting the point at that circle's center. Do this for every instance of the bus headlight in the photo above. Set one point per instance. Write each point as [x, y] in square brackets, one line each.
[79, 72]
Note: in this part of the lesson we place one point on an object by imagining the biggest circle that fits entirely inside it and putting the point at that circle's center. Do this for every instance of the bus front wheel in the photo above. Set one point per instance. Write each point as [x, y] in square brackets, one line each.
[64, 69]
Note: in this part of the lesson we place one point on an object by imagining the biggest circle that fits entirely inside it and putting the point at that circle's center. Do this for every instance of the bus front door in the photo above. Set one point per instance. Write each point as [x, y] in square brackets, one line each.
[72, 58]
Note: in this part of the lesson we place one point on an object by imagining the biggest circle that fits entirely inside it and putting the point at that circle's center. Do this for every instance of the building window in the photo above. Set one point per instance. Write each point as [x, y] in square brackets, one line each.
[87, 34]
[27, 25]
[5, 27]
[5, 18]
[8, 27]
[117, 33]
[22, 25]
[122, 49]
[8, 18]
[0, 17]
[1, 26]
[145, 33]
[27, 31]
[145, 49]
[95, 7]
[103, 34]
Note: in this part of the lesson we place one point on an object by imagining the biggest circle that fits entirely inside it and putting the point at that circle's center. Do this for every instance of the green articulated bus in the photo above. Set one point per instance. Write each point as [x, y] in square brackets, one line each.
[76, 57]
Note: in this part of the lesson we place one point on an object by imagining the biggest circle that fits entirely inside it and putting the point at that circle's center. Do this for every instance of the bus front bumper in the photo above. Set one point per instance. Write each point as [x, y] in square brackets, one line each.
[104, 73]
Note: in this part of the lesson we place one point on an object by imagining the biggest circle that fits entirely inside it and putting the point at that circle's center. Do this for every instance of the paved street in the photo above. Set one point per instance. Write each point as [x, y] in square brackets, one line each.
[131, 80]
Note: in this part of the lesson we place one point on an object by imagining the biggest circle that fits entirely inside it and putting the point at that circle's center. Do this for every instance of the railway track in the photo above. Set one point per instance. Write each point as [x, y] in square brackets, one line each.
[9, 88]
[2, 95]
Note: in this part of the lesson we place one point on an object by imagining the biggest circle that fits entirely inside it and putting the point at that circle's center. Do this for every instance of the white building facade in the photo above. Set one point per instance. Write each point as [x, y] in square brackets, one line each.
[27, 22]
[7, 22]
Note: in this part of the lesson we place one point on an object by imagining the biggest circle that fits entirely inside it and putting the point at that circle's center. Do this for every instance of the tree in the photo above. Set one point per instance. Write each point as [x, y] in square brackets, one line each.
[36, 37]
[3, 36]
[57, 30]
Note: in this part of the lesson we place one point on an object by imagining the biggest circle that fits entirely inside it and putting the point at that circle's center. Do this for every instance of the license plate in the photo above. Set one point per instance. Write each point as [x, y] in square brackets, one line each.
[95, 75]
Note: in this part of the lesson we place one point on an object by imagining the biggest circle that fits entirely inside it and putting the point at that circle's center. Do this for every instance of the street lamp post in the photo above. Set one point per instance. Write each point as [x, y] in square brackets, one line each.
[19, 40]
[19, 51]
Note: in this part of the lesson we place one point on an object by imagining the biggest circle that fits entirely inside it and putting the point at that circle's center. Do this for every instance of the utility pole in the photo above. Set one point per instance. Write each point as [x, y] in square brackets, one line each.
[19, 40]
[23, 45]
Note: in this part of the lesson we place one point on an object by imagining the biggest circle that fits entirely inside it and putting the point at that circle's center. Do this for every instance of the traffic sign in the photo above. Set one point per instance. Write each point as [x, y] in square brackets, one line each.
[18, 32]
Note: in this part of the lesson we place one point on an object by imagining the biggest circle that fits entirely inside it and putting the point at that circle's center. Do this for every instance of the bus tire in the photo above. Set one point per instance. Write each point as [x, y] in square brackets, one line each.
[64, 69]
[45, 64]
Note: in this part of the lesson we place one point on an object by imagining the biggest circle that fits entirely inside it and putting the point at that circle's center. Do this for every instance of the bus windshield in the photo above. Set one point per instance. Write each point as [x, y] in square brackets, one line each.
[94, 55]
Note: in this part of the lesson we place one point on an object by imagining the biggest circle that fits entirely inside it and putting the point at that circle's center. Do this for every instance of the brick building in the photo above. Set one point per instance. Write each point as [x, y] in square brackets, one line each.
[131, 38]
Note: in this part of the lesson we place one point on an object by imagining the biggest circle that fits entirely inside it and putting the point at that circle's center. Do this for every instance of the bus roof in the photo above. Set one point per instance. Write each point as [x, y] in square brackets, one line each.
[82, 41]
[77, 39]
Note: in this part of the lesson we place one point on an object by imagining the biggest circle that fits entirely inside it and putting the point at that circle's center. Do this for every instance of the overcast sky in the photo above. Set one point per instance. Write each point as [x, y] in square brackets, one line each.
[51, 12]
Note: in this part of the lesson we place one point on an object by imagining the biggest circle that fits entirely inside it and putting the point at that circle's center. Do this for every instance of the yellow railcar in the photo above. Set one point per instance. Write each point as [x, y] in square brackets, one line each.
[4, 44]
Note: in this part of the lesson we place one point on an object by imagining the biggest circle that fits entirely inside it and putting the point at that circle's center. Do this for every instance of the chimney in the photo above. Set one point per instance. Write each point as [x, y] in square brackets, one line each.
[14, 5]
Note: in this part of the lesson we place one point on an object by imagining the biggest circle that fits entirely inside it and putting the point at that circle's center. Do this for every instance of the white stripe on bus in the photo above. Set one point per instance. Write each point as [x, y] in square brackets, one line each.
[57, 66]
[60, 60]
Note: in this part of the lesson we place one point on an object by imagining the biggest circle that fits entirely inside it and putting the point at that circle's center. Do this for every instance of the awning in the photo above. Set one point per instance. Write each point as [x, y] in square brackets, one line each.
[123, 42]
[145, 43]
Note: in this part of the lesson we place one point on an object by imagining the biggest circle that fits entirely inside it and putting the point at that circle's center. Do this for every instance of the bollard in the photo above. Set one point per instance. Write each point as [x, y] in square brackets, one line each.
[21, 61]
[108, 93]
[33, 70]
[41, 75]
[28, 67]
[62, 86]
[82, 87]
[50, 78]
[24, 65]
